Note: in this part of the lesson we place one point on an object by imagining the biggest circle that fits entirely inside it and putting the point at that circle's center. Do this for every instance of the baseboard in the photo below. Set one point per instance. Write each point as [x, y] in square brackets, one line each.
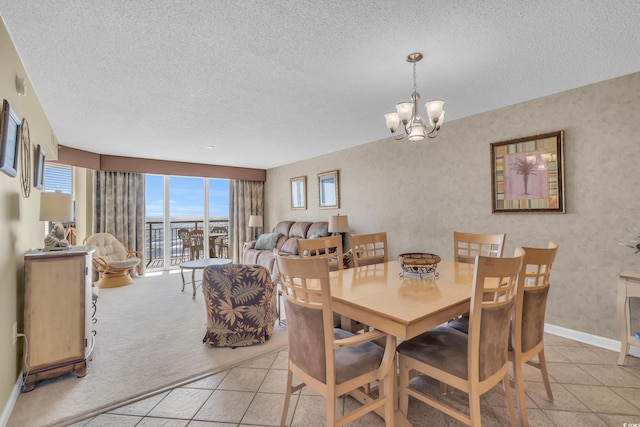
[13, 397]
[594, 340]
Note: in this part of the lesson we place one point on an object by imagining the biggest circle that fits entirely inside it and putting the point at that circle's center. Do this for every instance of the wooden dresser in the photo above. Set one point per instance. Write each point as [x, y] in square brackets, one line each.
[57, 313]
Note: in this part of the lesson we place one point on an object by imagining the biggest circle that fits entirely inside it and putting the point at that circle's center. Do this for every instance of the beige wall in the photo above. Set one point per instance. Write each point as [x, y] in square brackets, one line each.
[19, 217]
[421, 192]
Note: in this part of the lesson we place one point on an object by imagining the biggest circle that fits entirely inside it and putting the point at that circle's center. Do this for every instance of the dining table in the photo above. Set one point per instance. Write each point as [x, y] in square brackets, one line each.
[399, 303]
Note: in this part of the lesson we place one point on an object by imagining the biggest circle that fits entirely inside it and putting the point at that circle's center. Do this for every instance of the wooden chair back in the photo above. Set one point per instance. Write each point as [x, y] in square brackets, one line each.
[369, 248]
[492, 302]
[467, 245]
[323, 247]
[313, 344]
[527, 331]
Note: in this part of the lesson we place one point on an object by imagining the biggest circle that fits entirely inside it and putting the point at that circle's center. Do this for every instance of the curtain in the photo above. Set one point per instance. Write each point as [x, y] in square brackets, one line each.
[120, 209]
[245, 198]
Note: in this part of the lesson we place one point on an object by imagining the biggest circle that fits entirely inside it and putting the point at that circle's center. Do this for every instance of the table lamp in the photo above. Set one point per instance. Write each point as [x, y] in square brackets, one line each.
[255, 222]
[339, 224]
[56, 207]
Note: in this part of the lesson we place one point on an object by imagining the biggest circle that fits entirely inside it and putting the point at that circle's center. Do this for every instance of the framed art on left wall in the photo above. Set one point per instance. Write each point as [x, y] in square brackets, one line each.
[299, 192]
[10, 142]
[328, 190]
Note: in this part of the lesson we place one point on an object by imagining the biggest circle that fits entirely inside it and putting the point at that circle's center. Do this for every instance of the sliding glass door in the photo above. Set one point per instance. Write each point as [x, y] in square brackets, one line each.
[183, 203]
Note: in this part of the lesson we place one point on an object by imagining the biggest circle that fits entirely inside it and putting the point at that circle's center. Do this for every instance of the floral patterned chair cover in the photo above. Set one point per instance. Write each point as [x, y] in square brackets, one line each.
[241, 305]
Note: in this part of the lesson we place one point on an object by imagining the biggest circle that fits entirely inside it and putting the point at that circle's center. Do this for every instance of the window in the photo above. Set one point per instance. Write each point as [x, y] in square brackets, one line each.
[59, 177]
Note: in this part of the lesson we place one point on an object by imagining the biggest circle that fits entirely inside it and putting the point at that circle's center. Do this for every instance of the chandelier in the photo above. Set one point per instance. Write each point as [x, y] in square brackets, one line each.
[407, 112]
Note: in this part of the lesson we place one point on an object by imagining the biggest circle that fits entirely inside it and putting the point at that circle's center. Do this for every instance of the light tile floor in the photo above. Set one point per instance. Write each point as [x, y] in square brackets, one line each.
[589, 388]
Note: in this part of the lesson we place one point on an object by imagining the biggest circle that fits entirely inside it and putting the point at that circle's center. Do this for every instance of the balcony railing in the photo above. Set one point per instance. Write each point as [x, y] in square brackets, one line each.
[154, 239]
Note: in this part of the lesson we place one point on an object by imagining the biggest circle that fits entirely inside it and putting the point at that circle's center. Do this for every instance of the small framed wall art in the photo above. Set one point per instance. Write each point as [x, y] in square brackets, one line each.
[328, 190]
[527, 174]
[10, 140]
[299, 192]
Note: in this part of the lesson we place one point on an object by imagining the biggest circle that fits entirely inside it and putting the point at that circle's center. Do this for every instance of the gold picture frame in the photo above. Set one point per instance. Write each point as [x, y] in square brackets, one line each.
[298, 192]
[328, 190]
[527, 174]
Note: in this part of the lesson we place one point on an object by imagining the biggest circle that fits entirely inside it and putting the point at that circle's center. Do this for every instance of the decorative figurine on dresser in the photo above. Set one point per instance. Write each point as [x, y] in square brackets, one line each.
[57, 313]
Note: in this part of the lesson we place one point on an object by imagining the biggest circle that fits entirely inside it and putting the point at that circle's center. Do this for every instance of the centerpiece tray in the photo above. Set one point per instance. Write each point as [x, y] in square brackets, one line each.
[419, 264]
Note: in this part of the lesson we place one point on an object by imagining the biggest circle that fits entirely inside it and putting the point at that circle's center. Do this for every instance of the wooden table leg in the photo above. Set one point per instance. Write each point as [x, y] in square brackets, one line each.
[624, 319]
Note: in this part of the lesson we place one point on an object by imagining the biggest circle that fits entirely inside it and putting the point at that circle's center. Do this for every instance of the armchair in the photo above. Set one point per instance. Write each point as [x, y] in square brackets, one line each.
[240, 304]
[113, 261]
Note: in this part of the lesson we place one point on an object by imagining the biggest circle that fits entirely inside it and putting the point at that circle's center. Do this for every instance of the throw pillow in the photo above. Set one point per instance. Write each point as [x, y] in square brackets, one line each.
[267, 241]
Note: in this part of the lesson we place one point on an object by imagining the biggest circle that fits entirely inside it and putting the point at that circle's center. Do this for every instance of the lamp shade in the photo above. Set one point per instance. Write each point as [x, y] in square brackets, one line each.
[57, 207]
[339, 224]
[255, 221]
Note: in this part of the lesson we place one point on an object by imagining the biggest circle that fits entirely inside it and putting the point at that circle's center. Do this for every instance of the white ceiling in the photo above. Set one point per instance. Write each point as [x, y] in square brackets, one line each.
[271, 82]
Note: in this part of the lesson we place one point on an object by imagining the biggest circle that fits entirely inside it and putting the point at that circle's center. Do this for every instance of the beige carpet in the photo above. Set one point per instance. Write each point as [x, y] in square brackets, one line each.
[149, 336]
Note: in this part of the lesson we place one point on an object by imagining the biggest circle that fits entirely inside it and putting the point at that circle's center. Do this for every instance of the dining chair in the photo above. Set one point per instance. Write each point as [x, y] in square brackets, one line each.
[465, 248]
[332, 362]
[323, 247]
[183, 235]
[527, 328]
[331, 249]
[369, 248]
[467, 245]
[475, 362]
[196, 250]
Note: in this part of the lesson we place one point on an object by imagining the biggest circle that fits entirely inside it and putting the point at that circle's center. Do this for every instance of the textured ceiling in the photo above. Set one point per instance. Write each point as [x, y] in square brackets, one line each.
[270, 83]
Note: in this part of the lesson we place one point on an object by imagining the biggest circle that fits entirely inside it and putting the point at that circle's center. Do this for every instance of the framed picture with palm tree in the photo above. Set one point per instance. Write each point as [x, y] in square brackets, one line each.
[527, 174]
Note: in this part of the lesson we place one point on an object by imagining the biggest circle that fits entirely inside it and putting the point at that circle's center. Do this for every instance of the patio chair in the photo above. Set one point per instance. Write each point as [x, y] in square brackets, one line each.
[183, 235]
[196, 250]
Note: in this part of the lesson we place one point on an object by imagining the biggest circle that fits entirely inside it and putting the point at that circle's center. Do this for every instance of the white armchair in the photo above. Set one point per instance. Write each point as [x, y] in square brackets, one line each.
[114, 263]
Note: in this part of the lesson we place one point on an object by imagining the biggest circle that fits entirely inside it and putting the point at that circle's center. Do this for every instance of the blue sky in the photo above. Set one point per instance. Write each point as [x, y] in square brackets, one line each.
[187, 196]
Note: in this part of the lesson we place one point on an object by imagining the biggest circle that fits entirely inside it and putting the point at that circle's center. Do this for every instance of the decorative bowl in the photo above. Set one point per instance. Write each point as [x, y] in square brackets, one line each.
[421, 264]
